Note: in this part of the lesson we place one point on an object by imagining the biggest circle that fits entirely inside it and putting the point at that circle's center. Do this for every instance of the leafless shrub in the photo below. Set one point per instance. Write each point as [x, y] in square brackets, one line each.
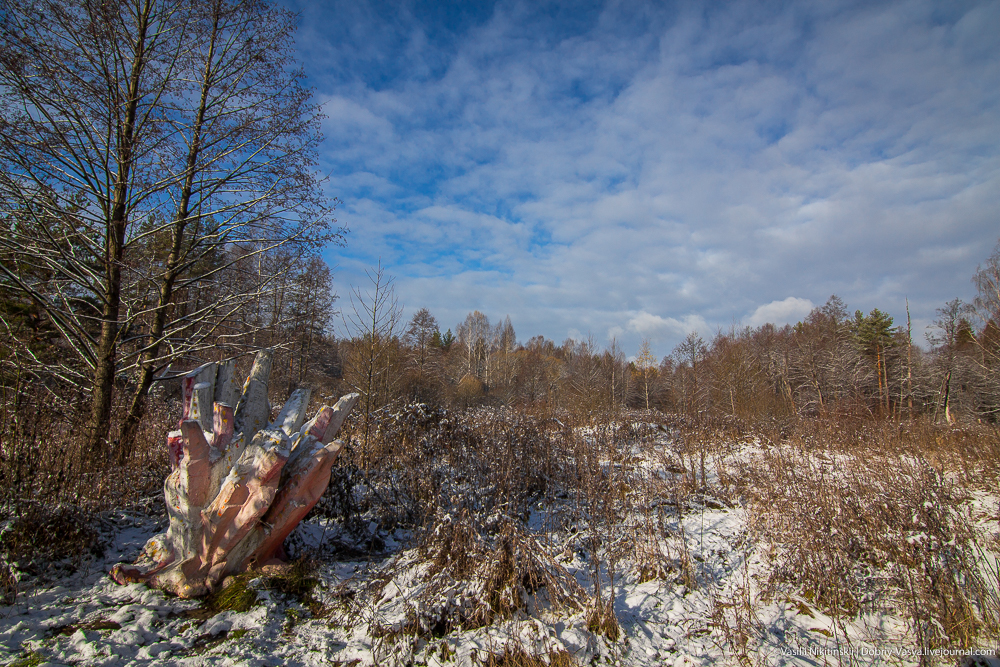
[42, 459]
[9, 587]
[478, 576]
[861, 521]
[734, 615]
[419, 460]
[52, 495]
[601, 619]
[46, 539]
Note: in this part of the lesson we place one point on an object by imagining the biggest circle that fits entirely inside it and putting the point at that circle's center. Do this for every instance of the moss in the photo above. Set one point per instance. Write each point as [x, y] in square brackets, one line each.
[30, 660]
[237, 596]
[297, 581]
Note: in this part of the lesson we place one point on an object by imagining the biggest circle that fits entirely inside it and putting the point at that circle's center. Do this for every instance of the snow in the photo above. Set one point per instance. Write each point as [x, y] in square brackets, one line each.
[86, 619]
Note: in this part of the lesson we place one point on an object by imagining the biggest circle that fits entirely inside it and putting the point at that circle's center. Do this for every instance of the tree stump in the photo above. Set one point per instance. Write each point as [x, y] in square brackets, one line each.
[239, 485]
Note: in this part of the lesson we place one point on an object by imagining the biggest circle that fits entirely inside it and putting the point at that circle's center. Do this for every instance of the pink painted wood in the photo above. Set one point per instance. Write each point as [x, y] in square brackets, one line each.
[238, 485]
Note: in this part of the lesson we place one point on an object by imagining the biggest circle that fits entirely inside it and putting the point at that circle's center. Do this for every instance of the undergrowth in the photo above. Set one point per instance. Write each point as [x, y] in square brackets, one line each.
[514, 655]
[875, 518]
[854, 515]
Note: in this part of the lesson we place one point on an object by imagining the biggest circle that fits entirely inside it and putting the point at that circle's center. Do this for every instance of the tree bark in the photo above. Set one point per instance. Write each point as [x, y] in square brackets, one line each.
[102, 389]
[147, 363]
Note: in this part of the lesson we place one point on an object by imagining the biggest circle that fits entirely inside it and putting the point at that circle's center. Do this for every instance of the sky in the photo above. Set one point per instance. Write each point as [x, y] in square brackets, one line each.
[636, 170]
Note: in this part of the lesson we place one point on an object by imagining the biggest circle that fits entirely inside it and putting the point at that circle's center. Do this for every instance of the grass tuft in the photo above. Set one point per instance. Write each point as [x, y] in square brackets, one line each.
[514, 655]
[236, 595]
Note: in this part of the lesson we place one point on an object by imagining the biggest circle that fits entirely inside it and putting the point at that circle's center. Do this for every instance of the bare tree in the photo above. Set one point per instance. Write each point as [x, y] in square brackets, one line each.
[474, 336]
[613, 363]
[82, 127]
[688, 353]
[311, 308]
[372, 324]
[987, 282]
[645, 368]
[504, 340]
[946, 338]
[422, 338]
[987, 309]
[150, 146]
[420, 334]
[250, 133]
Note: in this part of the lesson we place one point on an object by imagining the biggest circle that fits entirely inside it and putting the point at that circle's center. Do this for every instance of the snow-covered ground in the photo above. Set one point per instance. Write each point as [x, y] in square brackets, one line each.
[370, 607]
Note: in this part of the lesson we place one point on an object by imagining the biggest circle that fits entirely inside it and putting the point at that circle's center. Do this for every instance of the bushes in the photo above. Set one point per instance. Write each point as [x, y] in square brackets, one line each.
[854, 515]
[862, 521]
[418, 461]
[492, 575]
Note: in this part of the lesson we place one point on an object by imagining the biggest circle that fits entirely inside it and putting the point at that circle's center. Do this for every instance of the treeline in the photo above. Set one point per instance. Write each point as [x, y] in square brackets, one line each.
[829, 363]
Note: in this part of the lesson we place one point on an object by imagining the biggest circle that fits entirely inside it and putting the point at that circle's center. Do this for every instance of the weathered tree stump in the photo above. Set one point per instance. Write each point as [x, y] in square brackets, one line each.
[239, 485]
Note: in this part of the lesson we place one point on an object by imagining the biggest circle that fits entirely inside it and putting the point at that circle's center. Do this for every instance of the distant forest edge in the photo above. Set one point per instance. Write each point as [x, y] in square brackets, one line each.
[831, 363]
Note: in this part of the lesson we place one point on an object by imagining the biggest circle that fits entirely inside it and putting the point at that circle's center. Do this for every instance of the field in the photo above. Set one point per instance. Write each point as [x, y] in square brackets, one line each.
[495, 537]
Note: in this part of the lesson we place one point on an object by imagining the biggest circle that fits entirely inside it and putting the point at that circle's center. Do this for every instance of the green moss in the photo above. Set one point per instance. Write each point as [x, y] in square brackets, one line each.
[237, 596]
[30, 660]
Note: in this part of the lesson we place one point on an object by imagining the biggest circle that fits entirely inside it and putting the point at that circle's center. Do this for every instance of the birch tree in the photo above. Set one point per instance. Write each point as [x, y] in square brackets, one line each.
[248, 134]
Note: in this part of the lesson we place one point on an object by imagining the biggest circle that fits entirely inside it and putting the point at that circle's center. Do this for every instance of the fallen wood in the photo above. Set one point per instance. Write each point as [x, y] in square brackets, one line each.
[239, 485]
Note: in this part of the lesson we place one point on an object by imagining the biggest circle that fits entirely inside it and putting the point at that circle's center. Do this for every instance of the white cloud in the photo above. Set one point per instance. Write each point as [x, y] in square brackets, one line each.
[786, 311]
[657, 328]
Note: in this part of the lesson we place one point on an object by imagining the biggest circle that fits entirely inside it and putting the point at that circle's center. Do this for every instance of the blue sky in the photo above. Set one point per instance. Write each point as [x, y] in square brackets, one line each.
[642, 169]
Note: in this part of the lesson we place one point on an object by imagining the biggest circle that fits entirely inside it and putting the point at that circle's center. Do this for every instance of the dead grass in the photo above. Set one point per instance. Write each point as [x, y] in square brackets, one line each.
[860, 515]
[514, 655]
[601, 619]
[45, 539]
[52, 495]
[42, 460]
[494, 574]
[873, 517]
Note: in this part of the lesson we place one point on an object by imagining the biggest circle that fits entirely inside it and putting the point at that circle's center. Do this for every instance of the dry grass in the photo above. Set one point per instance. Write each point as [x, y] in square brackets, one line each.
[859, 515]
[41, 538]
[53, 496]
[42, 459]
[494, 574]
[872, 517]
[514, 655]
